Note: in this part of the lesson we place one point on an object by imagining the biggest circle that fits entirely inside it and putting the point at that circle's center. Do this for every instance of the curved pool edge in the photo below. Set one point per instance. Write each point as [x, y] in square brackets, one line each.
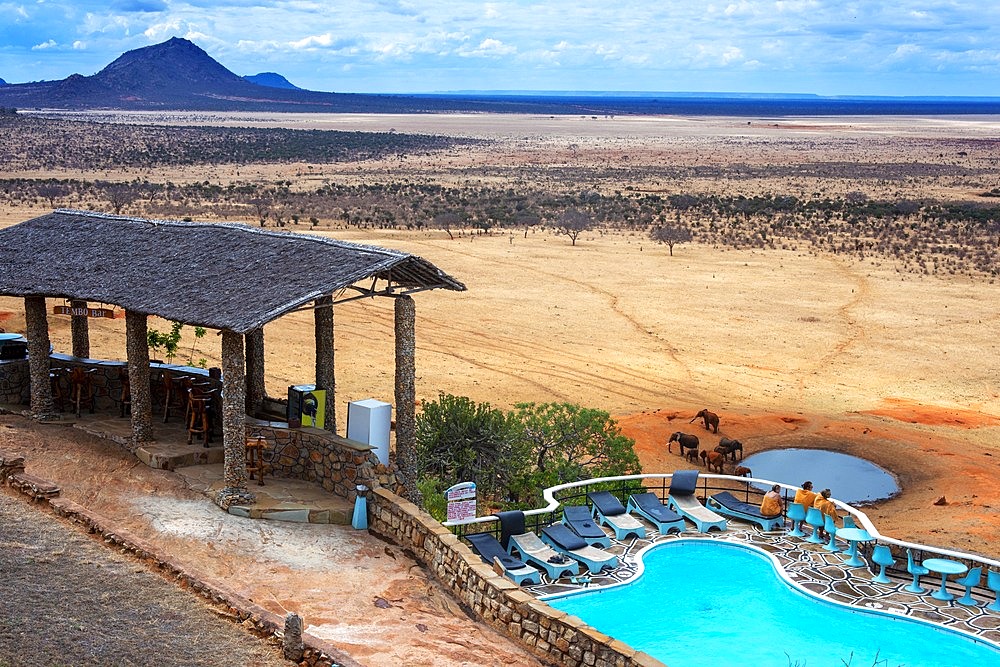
[782, 574]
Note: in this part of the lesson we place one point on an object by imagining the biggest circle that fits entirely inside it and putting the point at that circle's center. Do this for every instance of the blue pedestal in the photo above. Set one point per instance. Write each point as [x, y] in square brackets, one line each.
[360, 520]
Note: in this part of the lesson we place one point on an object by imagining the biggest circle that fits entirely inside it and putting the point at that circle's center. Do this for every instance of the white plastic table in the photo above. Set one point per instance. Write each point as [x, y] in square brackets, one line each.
[944, 566]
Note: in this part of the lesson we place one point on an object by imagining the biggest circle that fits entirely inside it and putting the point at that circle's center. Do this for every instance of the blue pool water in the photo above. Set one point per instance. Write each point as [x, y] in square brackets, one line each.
[851, 479]
[704, 603]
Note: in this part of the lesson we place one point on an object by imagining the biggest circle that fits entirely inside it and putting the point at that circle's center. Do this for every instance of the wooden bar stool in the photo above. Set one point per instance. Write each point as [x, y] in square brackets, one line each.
[81, 388]
[57, 374]
[255, 458]
[174, 394]
[199, 421]
[125, 397]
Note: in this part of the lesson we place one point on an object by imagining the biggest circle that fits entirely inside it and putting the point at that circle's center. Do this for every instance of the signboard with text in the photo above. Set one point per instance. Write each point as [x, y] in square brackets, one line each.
[84, 312]
[461, 501]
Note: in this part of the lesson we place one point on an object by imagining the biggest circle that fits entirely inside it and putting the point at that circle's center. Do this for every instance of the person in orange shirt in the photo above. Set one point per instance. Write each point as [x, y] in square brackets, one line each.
[806, 496]
[826, 506]
[771, 504]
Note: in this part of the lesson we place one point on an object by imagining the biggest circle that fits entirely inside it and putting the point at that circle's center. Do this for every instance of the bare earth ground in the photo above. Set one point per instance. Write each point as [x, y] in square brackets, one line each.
[121, 613]
[790, 347]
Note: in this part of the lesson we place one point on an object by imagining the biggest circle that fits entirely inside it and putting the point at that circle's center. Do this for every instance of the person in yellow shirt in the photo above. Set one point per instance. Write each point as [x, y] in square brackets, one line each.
[806, 496]
[771, 504]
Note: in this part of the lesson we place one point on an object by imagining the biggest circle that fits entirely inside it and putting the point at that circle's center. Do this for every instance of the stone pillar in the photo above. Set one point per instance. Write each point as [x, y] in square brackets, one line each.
[234, 423]
[325, 379]
[291, 642]
[255, 370]
[80, 328]
[37, 330]
[137, 351]
[406, 397]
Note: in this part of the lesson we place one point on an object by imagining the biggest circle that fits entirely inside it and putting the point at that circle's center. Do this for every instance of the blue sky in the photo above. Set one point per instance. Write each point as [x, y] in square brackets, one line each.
[890, 47]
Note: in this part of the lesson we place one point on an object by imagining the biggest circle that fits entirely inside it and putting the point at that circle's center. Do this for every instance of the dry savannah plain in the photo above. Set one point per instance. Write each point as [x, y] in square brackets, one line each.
[791, 345]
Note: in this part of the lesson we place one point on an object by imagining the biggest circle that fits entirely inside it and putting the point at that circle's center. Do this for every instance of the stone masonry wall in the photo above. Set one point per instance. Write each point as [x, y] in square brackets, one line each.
[15, 382]
[551, 634]
[339, 465]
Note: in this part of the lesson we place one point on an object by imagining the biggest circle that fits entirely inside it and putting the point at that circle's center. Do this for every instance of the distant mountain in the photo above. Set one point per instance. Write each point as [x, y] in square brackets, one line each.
[178, 75]
[271, 80]
[3, 83]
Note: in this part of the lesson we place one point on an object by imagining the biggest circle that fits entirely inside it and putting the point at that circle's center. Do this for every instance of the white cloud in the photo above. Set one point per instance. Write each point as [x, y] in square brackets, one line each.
[312, 41]
[488, 48]
[50, 44]
[79, 45]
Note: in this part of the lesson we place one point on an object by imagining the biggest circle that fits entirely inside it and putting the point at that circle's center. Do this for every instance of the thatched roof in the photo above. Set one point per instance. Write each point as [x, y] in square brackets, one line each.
[215, 275]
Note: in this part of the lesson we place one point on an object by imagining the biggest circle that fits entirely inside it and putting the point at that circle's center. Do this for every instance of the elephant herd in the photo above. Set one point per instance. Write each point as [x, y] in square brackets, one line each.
[713, 460]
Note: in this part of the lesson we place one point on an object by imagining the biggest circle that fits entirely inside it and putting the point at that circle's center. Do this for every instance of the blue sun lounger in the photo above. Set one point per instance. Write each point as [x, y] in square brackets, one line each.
[579, 520]
[726, 503]
[683, 484]
[647, 505]
[531, 549]
[566, 541]
[492, 552]
[609, 511]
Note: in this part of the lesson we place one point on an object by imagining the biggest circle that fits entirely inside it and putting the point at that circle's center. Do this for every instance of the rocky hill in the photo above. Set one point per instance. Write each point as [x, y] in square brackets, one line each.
[271, 80]
[179, 75]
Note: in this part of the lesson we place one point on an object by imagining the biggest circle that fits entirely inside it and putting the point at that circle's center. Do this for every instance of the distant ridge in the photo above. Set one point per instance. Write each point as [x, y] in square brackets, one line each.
[177, 75]
[271, 80]
[3, 83]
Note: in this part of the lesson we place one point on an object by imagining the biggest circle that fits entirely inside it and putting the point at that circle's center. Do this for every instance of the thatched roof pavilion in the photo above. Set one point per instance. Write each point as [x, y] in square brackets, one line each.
[229, 277]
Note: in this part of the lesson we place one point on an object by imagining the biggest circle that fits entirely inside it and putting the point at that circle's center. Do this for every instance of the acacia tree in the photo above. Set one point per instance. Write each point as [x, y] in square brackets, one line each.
[671, 234]
[460, 440]
[564, 442]
[573, 222]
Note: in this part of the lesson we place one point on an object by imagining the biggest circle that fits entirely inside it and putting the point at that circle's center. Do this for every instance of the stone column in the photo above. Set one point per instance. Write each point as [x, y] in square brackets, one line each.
[406, 397]
[255, 370]
[80, 328]
[137, 351]
[37, 330]
[325, 379]
[234, 423]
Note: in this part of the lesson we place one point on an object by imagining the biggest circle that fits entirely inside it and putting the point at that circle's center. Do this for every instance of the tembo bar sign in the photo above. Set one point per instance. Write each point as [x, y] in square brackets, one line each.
[84, 311]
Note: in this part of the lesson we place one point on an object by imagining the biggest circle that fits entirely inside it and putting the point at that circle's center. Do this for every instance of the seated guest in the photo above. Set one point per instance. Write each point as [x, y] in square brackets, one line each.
[771, 504]
[806, 496]
[826, 506]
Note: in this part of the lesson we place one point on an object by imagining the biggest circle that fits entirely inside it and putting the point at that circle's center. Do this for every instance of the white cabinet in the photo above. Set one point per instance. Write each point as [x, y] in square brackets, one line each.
[370, 421]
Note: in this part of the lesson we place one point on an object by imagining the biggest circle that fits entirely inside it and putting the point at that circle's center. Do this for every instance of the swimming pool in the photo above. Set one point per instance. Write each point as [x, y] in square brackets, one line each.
[702, 603]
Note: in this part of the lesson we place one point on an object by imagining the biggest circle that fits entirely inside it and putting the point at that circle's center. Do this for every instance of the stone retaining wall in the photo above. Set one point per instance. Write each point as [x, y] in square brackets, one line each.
[337, 464]
[550, 634]
[15, 382]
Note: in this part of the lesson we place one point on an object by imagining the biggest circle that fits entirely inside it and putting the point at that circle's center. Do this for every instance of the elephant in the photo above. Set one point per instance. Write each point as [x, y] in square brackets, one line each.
[713, 460]
[711, 419]
[684, 440]
[692, 455]
[742, 471]
[729, 447]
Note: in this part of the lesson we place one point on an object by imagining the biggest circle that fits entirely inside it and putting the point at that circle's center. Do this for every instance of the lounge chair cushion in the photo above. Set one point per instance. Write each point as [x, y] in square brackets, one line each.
[581, 522]
[564, 537]
[651, 505]
[511, 523]
[489, 548]
[684, 483]
[606, 503]
[729, 501]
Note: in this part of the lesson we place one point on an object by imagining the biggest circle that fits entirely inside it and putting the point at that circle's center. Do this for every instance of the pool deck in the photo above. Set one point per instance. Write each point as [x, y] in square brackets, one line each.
[811, 567]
